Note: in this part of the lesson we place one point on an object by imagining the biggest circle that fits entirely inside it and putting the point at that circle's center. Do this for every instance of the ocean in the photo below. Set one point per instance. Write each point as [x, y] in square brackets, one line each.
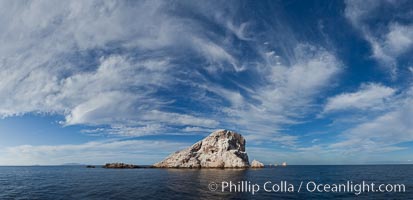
[317, 182]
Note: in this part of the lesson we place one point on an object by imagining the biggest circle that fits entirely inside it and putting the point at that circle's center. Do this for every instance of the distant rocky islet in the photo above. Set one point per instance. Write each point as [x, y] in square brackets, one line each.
[256, 164]
[120, 166]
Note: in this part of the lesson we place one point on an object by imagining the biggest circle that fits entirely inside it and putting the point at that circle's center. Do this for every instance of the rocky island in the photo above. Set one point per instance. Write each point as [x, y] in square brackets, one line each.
[120, 166]
[257, 164]
[221, 149]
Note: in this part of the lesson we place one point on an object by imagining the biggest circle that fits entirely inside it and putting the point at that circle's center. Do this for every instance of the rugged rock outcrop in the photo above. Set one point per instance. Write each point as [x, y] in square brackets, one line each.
[221, 149]
[120, 166]
[256, 164]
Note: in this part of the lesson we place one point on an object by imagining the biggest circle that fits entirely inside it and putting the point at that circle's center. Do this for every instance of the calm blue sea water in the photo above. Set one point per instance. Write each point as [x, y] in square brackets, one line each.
[78, 182]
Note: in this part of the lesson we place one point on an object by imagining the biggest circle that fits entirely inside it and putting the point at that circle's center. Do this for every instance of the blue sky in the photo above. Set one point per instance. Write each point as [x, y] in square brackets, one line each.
[306, 82]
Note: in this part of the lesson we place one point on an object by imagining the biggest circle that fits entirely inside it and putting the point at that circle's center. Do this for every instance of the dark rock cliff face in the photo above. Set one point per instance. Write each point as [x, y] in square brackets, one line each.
[221, 149]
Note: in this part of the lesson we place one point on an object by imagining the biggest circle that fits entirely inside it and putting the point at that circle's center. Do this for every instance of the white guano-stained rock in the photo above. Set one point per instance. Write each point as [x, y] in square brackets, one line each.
[256, 164]
[221, 149]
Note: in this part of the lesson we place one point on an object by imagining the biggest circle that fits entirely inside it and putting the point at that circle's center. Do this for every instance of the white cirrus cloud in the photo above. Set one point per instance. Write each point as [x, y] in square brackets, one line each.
[288, 93]
[51, 62]
[390, 37]
[370, 96]
[142, 68]
[382, 133]
[399, 39]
